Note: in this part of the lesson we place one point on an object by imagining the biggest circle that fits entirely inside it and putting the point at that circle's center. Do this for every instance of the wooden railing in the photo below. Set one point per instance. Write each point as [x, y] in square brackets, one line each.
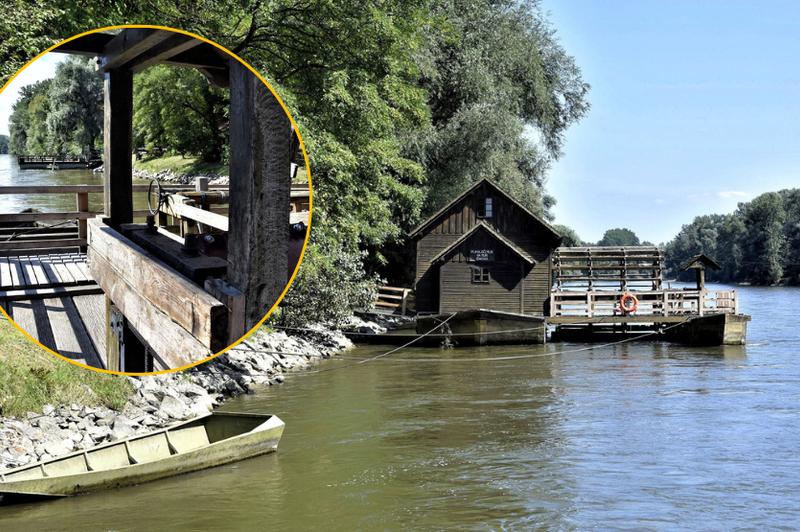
[80, 214]
[393, 298]
[655, 303]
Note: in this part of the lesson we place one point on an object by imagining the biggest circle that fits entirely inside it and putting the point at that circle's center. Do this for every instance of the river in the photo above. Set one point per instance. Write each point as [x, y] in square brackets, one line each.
[11, 175]
[639, 436]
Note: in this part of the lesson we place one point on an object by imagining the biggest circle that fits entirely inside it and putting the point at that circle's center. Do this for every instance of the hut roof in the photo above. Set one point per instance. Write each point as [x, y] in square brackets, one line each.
[700, 261]
[430, 221]
[481, 225]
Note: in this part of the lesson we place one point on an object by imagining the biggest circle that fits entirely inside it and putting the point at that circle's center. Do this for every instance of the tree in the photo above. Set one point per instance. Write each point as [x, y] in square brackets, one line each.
[763, 219]
[21, 123]
[175, 108]
[570, 237]
[75, 118]
[4, 144]
[619, 237]
[502, 92]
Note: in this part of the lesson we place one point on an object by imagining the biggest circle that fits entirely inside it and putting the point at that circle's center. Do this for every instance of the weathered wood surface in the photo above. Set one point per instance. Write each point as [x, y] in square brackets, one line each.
[43, 271]
[234, 300]
[177, 207]
[91, 189]
[70, 334]
[167, 247]
[179, 320]
[91, 309]
[652, 303]
[260, 155]
[43, 244]
[128, 45]
[31, 316]
[47, 293]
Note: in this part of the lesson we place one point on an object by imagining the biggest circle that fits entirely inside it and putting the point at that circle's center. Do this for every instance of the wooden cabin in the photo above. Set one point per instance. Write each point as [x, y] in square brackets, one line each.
[484, 250]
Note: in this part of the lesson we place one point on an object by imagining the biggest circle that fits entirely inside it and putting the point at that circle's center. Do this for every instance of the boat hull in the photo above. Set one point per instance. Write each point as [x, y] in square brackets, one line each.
[484, 327]
[149, 451]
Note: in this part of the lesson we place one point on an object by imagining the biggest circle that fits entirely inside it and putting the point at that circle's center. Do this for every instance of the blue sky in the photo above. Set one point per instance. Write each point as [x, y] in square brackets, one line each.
[42, 68]
[695, 107]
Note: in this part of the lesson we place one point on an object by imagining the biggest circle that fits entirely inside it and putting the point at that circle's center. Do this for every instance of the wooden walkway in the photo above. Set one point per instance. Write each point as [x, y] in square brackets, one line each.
[54, 299]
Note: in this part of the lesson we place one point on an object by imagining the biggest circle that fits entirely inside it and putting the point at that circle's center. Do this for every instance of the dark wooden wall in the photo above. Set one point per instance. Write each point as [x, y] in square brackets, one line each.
[509, 220]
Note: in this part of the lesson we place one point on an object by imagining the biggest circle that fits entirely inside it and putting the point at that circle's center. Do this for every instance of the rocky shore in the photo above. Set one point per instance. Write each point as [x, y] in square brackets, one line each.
[170, 176]
[160, 400]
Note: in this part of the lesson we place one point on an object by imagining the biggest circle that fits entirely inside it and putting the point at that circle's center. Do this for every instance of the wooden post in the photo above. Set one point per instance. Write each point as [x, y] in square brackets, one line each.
[118, 145]
[201, 185]
[260, 155]
[82, 206]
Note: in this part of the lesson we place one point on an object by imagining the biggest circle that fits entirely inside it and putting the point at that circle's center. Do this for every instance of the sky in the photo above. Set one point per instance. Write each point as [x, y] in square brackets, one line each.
[695, 108]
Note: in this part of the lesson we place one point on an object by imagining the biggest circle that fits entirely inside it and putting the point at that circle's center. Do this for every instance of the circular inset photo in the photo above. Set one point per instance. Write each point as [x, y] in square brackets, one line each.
[154, 199]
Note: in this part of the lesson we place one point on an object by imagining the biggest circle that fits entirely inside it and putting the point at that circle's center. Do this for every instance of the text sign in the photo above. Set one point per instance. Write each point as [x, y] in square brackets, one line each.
[481, 255]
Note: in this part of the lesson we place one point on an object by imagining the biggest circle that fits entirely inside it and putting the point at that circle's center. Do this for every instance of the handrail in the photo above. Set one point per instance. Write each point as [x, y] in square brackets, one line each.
[587, 303]
[88, 189]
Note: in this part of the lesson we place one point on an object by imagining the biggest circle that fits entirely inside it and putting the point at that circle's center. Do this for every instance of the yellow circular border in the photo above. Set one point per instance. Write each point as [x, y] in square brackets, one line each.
[310, 199]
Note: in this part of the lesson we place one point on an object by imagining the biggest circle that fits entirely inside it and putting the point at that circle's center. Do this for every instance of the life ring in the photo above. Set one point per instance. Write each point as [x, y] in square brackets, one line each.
[626, 308]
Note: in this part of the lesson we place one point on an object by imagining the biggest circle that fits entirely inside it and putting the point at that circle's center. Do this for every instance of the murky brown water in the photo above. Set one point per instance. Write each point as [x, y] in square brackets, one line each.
[640, 436]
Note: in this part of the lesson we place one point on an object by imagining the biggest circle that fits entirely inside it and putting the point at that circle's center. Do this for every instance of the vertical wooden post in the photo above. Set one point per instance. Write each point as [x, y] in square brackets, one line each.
[82, 206]
[201, 185]
[118, 145]
[260, 155]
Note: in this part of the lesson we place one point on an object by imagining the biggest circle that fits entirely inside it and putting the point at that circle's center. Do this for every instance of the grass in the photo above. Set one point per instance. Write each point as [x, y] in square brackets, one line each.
[30, 378]
[180, 165]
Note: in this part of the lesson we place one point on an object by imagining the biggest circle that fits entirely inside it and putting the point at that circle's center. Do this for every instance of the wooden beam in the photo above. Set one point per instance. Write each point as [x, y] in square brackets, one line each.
[48, 293]
[113, 259]
[43, 244]
[176, 207]
[53, 189]
[175, 44]
[118, 135]
[38, 216]
[89, 45]
[260, 153]
[204, 56]
[129, 44]
[234, 300]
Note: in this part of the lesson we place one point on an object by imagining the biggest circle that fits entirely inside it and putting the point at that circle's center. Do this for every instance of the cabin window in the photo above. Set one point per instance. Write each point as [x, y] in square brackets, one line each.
[485, 208]
[480, 275]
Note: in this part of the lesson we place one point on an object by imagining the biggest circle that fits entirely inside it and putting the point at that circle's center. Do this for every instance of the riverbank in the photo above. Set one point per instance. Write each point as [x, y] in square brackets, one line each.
[156, 401]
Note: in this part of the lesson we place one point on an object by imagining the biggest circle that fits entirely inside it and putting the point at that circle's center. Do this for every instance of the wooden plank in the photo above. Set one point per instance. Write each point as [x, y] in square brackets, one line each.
[176, 207]
[92, 311]
[260, 160]
[186, 304]
[57, 263]
[17, 277]
[74, 270]
[46, 293]
[177, 43]
[172, 342]
[5, 274]
[38, 271]
[47, 216]
[53, 278]
[29, 277]
[127, 45]
[31, 316]
[54, 189]
[71, 338]
[43, 244]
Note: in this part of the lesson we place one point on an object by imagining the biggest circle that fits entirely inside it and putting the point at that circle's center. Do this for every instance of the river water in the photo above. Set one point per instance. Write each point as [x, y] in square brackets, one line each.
[11, 175]
[639, 436]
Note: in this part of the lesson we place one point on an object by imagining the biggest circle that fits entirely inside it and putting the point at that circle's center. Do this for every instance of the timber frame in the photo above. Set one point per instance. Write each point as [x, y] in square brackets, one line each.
[154, 307]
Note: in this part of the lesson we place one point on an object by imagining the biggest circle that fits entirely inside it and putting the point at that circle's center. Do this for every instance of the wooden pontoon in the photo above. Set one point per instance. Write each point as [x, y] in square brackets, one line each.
[216, 439]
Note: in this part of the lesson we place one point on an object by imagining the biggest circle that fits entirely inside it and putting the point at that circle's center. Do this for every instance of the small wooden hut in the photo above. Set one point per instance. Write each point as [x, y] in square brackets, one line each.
[484, 250]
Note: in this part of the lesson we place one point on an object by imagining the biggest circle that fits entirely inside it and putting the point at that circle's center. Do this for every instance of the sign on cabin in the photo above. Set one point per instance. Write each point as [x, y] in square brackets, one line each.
[481, 255]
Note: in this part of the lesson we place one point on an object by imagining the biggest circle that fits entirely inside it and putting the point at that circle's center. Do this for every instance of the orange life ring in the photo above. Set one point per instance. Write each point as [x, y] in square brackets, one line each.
[626, 308]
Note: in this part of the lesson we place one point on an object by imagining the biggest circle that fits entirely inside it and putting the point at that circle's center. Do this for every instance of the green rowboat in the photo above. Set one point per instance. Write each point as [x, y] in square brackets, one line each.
[215, 439]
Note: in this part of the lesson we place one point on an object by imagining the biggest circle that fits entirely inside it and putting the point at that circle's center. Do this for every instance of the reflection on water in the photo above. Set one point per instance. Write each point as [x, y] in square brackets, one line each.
[638, 436]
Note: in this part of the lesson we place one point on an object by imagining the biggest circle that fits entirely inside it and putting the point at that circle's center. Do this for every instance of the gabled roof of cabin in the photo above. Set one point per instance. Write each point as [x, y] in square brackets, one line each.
[700, 261]
[483, 226]
[430, 221]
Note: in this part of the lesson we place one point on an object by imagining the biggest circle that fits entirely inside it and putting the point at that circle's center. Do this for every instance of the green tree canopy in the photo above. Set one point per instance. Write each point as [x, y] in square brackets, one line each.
[21, 123]
[570, 237]
[175, 108]
[4, 139]
[619, 237]
[75, 118]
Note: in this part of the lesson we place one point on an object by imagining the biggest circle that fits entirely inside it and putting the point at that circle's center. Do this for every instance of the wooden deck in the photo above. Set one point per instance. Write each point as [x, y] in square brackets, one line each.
[54, 299]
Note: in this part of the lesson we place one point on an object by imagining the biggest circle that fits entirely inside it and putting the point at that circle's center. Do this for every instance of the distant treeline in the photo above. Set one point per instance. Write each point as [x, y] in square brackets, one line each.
[3, 144]
[759, 243]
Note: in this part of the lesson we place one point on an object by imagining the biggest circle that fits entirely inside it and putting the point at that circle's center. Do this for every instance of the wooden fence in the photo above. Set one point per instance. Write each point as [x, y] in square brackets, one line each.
[656, 303]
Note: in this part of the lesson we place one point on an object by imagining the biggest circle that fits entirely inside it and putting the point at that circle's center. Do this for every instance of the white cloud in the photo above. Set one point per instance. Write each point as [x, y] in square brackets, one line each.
[660, 201]
[732, 193]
